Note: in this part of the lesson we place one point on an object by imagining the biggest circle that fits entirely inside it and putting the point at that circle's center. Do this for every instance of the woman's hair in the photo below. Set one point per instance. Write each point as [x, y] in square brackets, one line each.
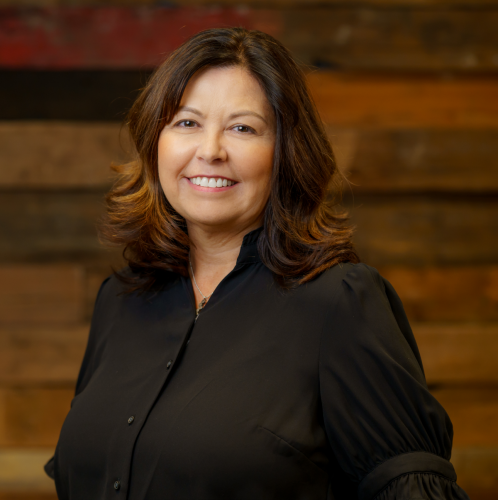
[302, 235]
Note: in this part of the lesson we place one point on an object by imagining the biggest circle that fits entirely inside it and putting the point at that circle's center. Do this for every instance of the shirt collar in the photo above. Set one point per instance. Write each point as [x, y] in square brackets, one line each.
[249, 250]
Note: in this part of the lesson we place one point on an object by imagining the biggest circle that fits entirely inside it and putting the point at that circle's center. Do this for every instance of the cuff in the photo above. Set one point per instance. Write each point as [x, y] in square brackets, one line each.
[374, 482]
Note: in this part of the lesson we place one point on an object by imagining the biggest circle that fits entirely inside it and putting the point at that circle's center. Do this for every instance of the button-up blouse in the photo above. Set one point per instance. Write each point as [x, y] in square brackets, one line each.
[315, 393]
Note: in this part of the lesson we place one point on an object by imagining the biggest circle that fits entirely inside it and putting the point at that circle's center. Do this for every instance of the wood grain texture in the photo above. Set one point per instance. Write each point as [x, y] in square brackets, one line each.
[405, 101]
[396, 38]
[474, 414]
[60, 154]
[424, 230]
[22, 471]
[65, 155]
[41, 355]
[459, 353]
[33, 417]
[333, 34]
[50, 226]
[447, 294]
[417, 160]
[37, 294]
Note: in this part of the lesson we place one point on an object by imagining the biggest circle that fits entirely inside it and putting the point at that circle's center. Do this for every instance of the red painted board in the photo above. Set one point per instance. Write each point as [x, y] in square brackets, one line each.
[111, 37]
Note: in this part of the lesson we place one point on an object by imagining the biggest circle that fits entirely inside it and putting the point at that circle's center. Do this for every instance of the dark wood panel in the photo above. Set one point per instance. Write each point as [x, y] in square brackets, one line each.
[42, 355]
[418, 160]
[60, 154]
[409, 101]
[69, 95]
[422, 231]
[391, 230]
[393, 39]
[50, 226]
[459, 353]
[34, 294]
[453, 294]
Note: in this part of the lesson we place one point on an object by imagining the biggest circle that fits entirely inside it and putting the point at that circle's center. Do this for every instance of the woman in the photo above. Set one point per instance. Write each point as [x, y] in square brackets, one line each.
[244, 353]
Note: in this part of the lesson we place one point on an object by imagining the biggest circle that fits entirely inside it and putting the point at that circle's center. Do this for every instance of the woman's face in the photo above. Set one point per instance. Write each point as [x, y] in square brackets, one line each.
[216, 155]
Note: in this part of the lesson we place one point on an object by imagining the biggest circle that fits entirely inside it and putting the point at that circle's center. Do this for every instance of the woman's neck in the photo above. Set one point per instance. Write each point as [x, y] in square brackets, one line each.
[213, 254]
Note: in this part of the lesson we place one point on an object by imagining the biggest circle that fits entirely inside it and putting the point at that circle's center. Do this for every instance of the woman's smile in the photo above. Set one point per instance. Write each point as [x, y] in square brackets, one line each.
[211, 184]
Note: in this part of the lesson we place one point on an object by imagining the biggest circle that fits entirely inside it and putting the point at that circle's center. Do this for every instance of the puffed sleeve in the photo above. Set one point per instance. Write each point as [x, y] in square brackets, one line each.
[88, 363]
[388, 433]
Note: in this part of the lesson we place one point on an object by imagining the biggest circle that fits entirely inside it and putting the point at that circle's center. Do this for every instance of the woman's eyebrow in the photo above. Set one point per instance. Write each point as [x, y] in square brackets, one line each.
[237, 114]
[247, 113]
[191, 110]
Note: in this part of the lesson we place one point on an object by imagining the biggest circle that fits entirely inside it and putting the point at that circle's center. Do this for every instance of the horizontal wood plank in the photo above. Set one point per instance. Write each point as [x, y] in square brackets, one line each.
[452, 294]
[78, 155]
[451, 353]
[34, 294]
[459, 353]
[338, 35]
[422, 160]
[22, 471]
[413, 230]
[41, 355]
[423, 231]
[33, 417]
[50, 226]
[370, 101]
[60, 154]
[474, 414]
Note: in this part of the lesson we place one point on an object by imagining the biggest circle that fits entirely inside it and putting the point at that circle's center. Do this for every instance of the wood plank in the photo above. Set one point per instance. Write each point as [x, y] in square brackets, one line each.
[339, 35]
[33, 417]
[69, 95]
[424, 160]
[413, 230]
[473, 412]
[424, 230]
[60, 154]
[74, 154]
[41, 294]
[459, 353]
[50, 226]
[41, 355]
[22, 471]
[105, 37]
[451, 294]
[405, 101]
[477, 471]
[395, 38]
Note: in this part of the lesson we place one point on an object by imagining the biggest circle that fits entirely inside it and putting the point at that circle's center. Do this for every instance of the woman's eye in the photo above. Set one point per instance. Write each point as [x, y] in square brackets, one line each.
[243, 129]
[186, 123]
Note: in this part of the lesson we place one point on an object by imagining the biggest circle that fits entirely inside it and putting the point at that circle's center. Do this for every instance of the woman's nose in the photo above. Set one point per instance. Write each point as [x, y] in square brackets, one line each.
[211, 148]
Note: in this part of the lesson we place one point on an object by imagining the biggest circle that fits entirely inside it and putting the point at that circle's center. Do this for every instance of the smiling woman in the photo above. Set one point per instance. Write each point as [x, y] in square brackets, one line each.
[244, 353]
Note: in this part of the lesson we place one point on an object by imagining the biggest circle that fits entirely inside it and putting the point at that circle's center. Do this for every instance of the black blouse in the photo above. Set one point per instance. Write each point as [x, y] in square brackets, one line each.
[312, 394]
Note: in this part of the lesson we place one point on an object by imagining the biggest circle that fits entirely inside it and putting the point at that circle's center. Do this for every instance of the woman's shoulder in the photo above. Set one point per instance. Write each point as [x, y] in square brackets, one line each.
[357, 277]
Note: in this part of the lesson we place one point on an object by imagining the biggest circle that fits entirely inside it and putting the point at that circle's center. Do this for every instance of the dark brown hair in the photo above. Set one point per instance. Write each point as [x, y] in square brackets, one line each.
[302, 236]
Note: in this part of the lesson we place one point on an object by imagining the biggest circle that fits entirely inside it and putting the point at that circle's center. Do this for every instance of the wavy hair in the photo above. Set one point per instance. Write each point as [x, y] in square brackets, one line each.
[304, 233]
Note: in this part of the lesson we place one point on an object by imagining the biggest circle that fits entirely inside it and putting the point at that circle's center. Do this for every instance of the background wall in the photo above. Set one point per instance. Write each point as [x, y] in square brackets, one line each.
[409, 92]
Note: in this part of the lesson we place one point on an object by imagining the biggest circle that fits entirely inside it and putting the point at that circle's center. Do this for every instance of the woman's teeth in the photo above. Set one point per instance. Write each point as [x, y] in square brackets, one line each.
[211, 182]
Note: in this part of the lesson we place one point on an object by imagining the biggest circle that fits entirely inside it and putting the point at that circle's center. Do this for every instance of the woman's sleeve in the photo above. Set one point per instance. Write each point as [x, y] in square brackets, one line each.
[389, 435]
[88, 363]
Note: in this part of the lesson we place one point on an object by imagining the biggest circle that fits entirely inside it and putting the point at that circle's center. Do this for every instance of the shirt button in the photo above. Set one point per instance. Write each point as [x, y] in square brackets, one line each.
[169, 364]
[131, 419]
[117, 485]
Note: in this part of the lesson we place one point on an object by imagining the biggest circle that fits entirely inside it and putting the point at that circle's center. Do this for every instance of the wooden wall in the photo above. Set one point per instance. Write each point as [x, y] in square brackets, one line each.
[409, 92]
